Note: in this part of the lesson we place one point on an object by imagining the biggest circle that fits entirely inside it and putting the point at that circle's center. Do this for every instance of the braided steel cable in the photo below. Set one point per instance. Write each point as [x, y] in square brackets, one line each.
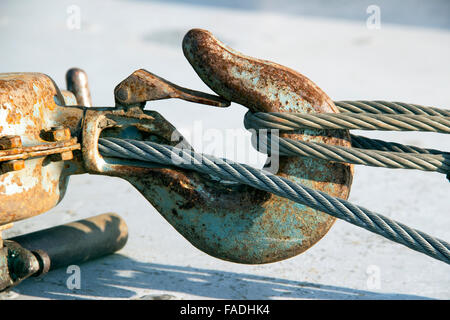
[376, 144]
[386, 107]
[229, 170]
[287, 121]
[368, 115]
[373, 158]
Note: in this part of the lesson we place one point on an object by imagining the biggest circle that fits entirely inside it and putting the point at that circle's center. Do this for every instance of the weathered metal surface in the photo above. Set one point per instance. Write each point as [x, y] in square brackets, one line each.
[143, 86]
[30, 106]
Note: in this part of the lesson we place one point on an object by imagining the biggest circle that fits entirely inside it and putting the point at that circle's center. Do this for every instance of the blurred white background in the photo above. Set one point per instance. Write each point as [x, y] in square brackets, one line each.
[331, 42]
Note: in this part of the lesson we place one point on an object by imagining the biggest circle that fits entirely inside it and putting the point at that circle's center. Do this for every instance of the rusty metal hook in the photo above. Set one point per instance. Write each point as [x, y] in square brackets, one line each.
[233, 222]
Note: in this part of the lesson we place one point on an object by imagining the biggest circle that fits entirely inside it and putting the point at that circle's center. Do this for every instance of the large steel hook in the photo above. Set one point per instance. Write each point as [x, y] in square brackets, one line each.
[232, 222]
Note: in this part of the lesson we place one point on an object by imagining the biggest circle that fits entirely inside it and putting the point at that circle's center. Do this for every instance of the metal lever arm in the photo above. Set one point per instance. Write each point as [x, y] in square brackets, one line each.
[142, 86]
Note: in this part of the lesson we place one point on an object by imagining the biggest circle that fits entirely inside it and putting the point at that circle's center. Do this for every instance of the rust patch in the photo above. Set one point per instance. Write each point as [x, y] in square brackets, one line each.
[28, 99]
[13, 117]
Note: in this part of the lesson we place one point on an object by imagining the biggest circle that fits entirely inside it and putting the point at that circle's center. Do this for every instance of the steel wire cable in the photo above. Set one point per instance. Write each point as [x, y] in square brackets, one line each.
[386, 107]
[439, 162]
[289, 122]
[229, 170]
[376, 144]
[367, 115]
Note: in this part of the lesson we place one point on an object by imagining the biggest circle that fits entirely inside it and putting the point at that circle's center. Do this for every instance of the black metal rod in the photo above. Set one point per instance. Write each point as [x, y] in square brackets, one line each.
[78, 241]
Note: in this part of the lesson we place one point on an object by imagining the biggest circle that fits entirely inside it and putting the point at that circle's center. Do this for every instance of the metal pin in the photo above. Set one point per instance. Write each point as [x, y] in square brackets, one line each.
[77, 83]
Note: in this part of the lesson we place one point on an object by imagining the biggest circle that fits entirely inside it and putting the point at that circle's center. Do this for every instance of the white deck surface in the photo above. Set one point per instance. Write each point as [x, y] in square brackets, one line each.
[406, 60]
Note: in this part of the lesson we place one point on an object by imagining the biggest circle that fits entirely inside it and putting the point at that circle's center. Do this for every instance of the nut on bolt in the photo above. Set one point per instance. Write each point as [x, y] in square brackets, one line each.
[57, 134]
[10, 142]
[13, 165]
[63, 156]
